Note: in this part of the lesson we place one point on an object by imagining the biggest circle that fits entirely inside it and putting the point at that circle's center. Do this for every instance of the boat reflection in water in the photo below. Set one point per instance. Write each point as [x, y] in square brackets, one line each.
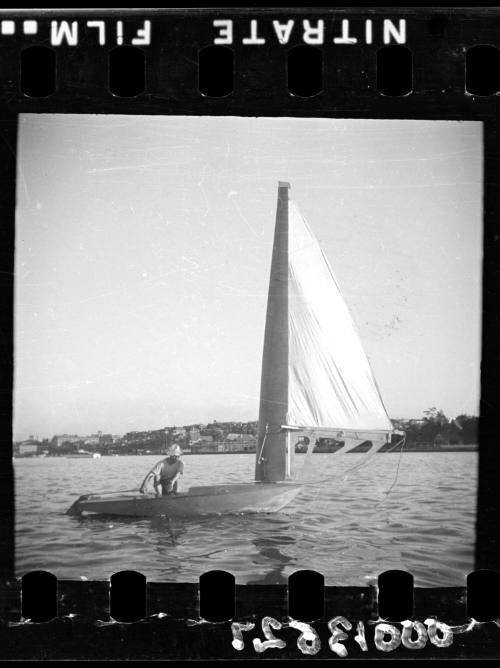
[269, 556]
[256, 552]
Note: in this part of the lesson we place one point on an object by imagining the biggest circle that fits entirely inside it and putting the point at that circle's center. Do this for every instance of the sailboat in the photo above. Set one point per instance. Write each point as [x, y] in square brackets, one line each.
[316, 382]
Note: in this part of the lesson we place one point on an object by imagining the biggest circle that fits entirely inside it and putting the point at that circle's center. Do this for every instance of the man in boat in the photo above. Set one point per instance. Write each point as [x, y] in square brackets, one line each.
[167, 472]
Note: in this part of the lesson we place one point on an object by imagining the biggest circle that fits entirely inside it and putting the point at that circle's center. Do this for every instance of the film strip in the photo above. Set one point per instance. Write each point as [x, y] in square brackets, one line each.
[121, 619]
[418, 65]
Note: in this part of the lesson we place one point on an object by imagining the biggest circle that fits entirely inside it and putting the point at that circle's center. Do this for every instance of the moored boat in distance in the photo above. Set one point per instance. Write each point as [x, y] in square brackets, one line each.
[83, 453]
[316, 382]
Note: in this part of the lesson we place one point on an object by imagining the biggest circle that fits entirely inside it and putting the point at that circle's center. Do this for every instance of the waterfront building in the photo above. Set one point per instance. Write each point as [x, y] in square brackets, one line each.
[26, 448]
[57, 441]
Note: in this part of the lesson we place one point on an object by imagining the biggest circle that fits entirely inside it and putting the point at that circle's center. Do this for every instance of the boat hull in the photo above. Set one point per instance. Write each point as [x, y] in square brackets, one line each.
[227, 499]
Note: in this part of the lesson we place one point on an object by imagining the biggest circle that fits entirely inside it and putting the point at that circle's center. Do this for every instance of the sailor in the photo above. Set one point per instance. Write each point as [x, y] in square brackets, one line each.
[168, 471]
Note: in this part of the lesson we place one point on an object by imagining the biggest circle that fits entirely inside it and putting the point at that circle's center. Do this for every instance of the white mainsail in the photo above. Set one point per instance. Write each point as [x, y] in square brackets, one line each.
[330, 385]
[316, 378]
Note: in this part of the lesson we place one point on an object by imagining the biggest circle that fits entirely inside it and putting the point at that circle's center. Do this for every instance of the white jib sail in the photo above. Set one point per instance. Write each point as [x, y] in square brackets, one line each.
[331, 385]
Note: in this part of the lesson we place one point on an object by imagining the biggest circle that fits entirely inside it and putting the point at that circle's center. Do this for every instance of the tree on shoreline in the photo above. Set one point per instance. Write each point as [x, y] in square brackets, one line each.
[435, 426]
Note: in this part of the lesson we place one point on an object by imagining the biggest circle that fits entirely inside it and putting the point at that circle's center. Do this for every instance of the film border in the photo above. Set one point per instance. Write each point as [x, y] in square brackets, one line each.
[172, 88]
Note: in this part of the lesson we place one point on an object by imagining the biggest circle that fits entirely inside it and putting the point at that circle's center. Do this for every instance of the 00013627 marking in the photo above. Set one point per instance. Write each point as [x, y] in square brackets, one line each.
[438, 633]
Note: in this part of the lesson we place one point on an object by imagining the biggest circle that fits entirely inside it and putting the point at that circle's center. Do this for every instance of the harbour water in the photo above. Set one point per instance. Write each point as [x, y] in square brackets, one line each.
[414, 511]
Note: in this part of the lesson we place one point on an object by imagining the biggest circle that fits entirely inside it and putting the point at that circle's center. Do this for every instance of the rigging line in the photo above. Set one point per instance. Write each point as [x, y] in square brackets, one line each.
[363, 462]
[259, 458]
[312, 483]
[402, 441]
[342, 451]
[320, 481]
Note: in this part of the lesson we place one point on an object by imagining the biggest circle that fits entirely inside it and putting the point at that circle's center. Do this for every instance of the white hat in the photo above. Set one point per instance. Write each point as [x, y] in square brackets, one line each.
[174, 450]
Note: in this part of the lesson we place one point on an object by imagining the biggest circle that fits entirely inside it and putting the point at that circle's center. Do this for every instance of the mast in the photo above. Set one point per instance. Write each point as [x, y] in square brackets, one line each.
[316, 376]
[271, 457]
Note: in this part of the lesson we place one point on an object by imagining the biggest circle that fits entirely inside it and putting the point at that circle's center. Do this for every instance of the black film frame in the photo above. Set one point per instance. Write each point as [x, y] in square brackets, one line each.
[438, 41]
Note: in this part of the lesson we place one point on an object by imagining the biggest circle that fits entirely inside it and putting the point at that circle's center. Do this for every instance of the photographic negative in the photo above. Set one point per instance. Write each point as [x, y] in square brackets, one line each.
[284, 312]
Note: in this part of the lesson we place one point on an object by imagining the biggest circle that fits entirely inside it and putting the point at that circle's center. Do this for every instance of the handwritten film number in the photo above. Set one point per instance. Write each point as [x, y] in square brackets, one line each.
[309, 642]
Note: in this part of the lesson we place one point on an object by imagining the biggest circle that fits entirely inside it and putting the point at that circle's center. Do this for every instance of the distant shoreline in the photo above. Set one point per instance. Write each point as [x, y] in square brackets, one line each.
[430, 447]
[409, 447]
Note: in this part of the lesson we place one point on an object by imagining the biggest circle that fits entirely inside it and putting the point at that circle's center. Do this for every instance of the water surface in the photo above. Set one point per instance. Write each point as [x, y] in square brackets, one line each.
[414, 512]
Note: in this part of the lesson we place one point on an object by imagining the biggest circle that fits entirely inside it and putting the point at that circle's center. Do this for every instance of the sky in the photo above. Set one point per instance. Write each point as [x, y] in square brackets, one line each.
[143, 250]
